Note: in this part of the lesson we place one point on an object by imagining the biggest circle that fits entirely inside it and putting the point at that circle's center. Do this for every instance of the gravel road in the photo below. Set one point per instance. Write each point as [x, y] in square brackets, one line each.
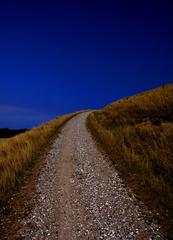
[79, 195]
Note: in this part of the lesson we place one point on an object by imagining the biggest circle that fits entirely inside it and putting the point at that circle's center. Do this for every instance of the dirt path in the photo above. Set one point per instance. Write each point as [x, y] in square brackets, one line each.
[78, 195]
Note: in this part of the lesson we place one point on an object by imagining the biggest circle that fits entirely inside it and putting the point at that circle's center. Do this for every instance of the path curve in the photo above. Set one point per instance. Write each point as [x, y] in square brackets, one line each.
[79, 195]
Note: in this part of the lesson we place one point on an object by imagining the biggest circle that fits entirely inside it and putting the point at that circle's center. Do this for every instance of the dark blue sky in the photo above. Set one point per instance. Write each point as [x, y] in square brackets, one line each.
[62, 56]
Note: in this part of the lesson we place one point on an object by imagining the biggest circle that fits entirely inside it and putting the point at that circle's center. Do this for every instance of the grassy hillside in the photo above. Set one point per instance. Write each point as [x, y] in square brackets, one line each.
[137, 132]
[17, 153]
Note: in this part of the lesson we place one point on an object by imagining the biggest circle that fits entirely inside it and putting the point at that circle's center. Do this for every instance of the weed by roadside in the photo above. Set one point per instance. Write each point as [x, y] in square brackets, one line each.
[137, 132]
[17, 153]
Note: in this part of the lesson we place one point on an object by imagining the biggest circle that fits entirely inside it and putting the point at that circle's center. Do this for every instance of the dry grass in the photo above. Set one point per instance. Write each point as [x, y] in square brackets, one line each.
[18, 152]
[137, 132]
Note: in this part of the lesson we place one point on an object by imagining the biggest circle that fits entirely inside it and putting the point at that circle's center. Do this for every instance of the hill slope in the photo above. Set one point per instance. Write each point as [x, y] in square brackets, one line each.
[18, 152]
[137, 132]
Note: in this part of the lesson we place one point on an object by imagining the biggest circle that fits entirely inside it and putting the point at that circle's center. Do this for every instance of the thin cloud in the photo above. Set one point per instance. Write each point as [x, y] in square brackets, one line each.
[10, 109]
[11, 115]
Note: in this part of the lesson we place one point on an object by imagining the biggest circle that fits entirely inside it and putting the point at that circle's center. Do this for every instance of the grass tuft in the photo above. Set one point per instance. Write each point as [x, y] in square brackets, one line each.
[137, 132]
[18, 152]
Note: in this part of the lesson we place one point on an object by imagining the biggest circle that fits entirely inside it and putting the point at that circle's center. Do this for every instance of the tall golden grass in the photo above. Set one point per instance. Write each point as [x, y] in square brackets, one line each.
[137, 132]
[17, 153]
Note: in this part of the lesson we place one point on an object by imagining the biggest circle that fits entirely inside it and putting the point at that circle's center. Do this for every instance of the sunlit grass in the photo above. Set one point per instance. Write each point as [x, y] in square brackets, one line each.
[17, 153]
[137, 132]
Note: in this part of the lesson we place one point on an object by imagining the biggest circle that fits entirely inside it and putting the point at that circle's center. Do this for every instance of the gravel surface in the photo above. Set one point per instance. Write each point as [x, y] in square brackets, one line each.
[79, 195]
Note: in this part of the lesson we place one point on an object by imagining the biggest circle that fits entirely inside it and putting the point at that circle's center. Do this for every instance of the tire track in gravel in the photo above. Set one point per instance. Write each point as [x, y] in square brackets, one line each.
[79, 195]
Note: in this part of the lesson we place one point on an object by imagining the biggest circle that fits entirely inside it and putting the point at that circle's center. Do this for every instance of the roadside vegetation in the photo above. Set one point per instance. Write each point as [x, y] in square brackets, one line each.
[137, 132]
[17, 153]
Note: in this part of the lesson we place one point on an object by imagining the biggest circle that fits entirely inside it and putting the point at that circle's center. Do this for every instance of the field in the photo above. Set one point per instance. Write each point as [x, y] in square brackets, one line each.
[18, 152]
[137, 132]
